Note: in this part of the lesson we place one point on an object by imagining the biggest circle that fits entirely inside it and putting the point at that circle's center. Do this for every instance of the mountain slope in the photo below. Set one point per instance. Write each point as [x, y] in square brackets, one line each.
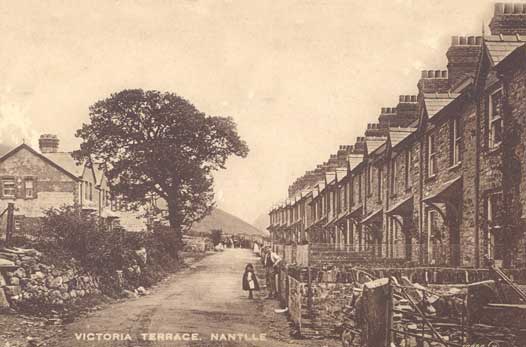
[230, 224]
[262, 222]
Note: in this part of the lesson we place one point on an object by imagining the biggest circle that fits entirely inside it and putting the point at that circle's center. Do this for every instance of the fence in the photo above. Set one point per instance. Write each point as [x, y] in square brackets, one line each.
[400, 313]
[377, 254]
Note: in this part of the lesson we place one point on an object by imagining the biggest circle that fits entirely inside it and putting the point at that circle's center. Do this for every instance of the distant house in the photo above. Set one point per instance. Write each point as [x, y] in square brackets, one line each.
[38, 180]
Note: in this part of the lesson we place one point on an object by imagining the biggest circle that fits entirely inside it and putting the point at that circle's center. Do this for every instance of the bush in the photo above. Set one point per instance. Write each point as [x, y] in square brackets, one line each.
[68, 233]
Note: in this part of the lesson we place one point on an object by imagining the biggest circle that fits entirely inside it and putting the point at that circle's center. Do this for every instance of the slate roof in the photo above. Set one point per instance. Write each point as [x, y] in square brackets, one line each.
[66, 161]
[398, 134]
[341, 173]
[435, 102]
[330, 177]
[500, 46]
[354, 160]
[373, 143]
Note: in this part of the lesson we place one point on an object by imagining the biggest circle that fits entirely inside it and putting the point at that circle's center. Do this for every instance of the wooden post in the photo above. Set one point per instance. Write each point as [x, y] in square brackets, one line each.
[389, 313]
[10, 223]
[309, 291]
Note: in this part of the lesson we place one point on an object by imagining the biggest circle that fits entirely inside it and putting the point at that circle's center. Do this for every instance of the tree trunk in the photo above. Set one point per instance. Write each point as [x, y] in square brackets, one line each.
[175, 224]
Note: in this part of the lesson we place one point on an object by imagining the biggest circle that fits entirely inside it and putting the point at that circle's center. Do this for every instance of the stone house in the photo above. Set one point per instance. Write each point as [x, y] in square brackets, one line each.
[49, 178]
[35, 181]
[400, 198]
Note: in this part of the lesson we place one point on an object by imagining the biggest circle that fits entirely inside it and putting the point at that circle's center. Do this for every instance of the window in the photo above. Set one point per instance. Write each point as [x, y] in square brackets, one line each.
[360, 188]
[433, 230]
[407, 169]
[369, 179]
[455, 141]
[29, 188]
[495, 118]
[90, 192]
[86, 192]
[379, 184]
[351, 193]
[494, 235]
[431, 156]
[345, 196]
[394, 168]
[8, 190]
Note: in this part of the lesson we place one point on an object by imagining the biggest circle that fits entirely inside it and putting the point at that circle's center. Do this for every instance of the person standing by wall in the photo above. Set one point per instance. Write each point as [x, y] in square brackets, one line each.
[250, 281]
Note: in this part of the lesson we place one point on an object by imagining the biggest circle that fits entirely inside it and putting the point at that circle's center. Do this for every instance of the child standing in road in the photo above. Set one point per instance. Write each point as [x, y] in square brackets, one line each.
[250, 281]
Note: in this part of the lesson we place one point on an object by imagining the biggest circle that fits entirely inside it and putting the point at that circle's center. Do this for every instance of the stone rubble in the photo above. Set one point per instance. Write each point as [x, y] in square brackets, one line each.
[25, 279]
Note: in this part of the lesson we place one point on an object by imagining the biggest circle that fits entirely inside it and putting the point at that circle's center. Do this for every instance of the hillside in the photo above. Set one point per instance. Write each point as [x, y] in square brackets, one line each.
[230, 224]
[262, 222]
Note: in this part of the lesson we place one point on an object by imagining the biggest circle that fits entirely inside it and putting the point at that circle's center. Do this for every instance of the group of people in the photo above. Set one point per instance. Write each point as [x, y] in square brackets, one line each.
[272, 263]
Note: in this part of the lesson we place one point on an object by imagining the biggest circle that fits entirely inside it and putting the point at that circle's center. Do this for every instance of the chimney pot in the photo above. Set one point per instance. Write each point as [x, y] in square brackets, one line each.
[423, 74]
[402, 98]
[462, 40]
[479, 40]
[471, 40]
[444, 74]
[499, 8]
[407, 98]
[413, 98]
[508, 7]
[518, 8]
[48, 143]
[454, 40]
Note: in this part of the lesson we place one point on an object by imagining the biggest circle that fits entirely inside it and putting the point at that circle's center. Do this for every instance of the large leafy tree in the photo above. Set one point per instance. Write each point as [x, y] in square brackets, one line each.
[158, 144]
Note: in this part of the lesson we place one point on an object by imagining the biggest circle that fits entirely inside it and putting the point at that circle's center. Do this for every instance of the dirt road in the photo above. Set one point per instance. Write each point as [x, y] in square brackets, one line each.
[205, 300]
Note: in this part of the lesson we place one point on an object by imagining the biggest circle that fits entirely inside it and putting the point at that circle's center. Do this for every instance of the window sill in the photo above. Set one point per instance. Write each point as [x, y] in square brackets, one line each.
[431, 178]
[495, 149]
[455, 166]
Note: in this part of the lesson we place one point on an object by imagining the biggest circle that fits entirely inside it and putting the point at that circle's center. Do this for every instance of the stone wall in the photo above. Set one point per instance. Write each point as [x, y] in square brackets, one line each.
[327, 313]
[26, 281]
[514, 145]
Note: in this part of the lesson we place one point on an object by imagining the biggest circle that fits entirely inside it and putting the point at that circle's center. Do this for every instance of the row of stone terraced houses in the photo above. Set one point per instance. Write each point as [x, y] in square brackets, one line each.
[438, 180]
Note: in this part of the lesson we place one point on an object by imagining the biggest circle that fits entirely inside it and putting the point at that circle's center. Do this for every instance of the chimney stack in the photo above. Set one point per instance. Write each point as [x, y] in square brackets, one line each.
[374, 129]
[359, 146]
[48, 143]
[463, 57]
[433, 81]
[508, 19]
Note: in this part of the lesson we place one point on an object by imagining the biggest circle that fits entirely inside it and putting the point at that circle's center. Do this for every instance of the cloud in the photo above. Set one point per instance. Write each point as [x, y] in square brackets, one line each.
[15, 123]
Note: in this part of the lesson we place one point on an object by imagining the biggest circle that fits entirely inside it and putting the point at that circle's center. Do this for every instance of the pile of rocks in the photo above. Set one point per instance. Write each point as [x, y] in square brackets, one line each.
[25, 279]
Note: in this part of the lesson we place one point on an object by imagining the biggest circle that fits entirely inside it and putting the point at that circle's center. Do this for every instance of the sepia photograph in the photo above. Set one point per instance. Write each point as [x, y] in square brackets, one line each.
[224, 173]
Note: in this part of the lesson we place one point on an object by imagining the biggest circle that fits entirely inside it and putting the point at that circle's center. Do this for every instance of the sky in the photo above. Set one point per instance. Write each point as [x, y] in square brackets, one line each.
[299, 77]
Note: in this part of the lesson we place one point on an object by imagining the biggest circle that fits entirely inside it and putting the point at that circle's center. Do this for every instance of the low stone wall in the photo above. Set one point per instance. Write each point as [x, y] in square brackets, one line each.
[283, 287]
[332, 291]
[30, 281]
[327, 312]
